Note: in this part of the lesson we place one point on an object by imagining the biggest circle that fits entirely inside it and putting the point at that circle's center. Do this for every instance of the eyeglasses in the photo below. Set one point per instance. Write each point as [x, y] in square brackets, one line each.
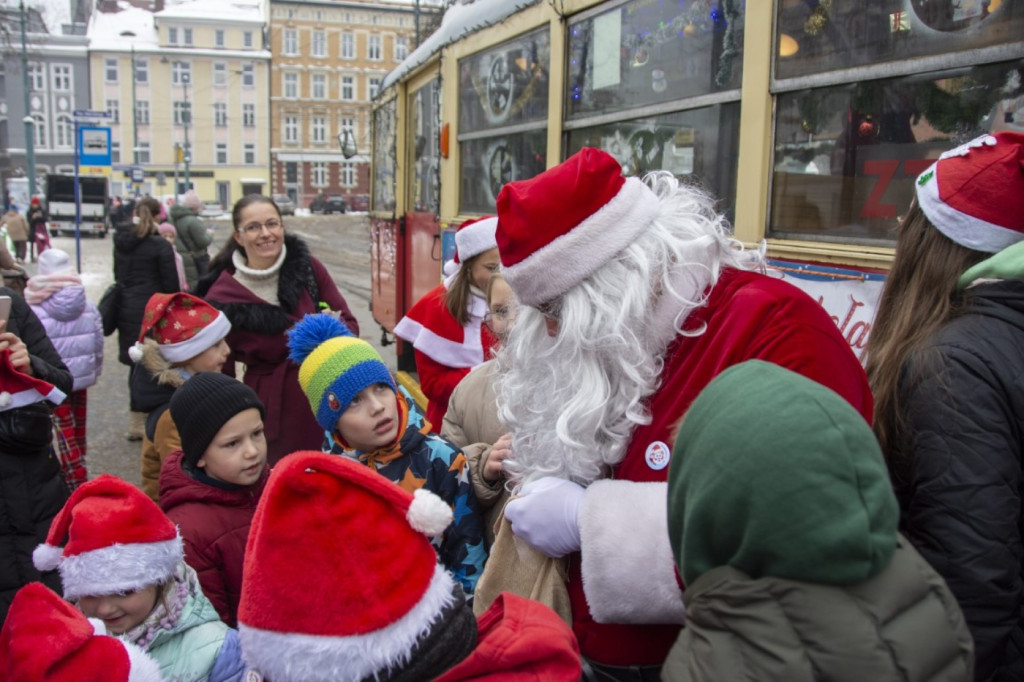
[272, 225]
[504, 315]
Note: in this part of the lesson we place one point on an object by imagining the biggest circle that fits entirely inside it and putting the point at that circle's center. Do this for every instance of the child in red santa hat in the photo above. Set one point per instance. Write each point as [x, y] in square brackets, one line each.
[446, 327]
[373, 603]
[188, 336]
[45, 639]
[122, 562]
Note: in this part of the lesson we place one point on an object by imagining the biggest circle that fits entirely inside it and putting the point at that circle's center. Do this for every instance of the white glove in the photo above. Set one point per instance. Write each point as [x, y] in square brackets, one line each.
[546, 515]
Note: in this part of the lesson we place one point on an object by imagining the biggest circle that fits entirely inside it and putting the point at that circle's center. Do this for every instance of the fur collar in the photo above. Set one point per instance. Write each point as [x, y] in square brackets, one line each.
[154, 362]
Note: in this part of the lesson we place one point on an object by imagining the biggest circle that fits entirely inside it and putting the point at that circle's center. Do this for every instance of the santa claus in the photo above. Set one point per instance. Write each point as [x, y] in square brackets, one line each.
[635, 295]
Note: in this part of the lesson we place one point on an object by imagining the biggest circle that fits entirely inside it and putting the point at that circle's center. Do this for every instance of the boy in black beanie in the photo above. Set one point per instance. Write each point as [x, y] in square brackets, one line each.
[211, 486]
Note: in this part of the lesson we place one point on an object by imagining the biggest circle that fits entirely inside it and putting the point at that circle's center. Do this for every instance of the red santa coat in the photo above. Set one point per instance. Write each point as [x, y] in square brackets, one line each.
[445, 350]
[626, 563]
[519, 639]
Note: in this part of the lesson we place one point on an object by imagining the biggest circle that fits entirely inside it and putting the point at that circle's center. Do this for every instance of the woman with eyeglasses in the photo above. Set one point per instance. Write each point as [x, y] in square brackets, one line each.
[446, 326]
[265, 280]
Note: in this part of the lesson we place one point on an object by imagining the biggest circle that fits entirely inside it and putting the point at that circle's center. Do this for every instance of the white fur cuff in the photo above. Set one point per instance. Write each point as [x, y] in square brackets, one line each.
[629, 575]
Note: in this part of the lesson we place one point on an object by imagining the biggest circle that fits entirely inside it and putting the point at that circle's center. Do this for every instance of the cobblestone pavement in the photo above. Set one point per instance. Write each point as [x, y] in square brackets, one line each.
[342, 243]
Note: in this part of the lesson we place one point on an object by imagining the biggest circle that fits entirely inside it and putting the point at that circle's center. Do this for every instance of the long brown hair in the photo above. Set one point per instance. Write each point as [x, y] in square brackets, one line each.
[147, 209]
[919, 297]
[456, 299]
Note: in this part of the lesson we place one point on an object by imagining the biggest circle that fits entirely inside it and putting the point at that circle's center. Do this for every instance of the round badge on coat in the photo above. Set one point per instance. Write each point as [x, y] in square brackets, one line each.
[657, 455]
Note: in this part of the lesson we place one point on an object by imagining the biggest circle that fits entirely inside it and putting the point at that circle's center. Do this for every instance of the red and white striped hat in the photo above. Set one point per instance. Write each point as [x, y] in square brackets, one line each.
[559, 227]
[18, 389]
[118, 540]
[974, 194]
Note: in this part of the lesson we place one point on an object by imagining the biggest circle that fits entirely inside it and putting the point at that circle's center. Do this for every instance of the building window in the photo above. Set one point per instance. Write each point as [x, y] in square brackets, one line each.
[291, 128]
[291, 172]
[319, 86]
[401, 48]
[188, 36]
[248, 75]
[172, 35]
[291, 42]
[247, 39]
[114, 109]
[218, 37]
[249, 154]
[182, 113]
[318, 129]
[181, 73]
[220, 75]
[40, 130]
[62, 77]
[249, 115]
[37, 80]
[319, 174]
[143, 153]
[141, 71]
[348, 174]
[291, 85]
[220, 114]
[374, 87]
[109, 71]
[64, 132]
[221, 157]
[115, 152]
[319, 44]
[348, 46]
[373, 49]
[142, 112]
[348, 88]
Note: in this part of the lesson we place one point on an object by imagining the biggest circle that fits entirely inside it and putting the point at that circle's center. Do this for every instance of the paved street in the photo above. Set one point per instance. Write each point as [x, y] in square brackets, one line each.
[340, 241]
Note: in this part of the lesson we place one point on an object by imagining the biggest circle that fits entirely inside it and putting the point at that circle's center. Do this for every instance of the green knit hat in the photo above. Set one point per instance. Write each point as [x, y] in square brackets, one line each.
[776, 475]
[334, 365]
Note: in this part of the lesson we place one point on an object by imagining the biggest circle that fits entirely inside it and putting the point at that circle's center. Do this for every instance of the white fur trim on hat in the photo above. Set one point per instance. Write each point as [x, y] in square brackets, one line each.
[475, 238]
[325, 658]
[962, 228]
[206, 338]
[119, 568]
[136, 351]
[567, 260]
[428, 513]
[46, 557]
[141, 666]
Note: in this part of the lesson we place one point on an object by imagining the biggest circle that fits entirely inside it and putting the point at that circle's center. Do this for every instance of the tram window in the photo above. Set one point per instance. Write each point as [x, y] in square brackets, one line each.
[846, 157]
[487, 164]
[384, 143]
[505, 85]
[699, 146]
[816, 37]
[642, 53]
[424, 149]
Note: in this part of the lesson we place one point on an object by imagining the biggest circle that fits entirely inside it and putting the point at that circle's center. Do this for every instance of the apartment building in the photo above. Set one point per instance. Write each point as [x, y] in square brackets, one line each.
[329, 61]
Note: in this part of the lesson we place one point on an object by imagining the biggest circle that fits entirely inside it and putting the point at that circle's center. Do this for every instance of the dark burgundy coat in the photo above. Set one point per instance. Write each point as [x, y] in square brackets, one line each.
[214, 524]
[258, 340]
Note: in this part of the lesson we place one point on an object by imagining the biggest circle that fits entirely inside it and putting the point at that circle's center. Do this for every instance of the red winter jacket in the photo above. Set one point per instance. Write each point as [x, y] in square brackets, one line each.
[519, 639]
[214, 524]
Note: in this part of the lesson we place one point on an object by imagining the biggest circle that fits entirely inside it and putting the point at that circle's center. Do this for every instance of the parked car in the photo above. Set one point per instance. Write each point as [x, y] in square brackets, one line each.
[284, 204]
[334, 203]
[359, 202]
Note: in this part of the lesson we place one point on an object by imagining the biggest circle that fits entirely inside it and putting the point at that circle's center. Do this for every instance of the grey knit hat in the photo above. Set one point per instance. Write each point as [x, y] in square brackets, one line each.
[202, 405]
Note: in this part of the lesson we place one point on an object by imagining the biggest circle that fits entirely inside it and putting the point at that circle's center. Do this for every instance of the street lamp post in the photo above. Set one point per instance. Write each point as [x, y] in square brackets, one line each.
[30, 137]
[185, 77]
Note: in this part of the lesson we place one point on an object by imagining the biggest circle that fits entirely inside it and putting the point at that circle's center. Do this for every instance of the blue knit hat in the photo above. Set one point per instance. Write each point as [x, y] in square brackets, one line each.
[334, 365]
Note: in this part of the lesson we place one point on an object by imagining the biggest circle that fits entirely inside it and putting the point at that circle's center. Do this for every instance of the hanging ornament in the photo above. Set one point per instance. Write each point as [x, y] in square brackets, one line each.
[867, 128]
[658, 81]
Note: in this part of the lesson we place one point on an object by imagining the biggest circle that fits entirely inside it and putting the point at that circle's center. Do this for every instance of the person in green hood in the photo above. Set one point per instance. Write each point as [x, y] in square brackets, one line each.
[946, 365]
[783, 525]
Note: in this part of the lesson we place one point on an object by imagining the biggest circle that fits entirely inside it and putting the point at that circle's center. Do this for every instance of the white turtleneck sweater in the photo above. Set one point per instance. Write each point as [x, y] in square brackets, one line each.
[262, 283]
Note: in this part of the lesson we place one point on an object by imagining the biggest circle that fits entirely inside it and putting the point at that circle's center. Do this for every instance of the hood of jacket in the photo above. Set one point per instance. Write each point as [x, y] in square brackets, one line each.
[778, 476]
[65, 304]
[154, 379]
[178, 488]
[125, 238]
[178, 211]
[196, 612]
[1007, 264]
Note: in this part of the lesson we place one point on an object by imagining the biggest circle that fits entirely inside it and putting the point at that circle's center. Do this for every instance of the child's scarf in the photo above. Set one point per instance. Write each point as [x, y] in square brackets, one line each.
[169, 607]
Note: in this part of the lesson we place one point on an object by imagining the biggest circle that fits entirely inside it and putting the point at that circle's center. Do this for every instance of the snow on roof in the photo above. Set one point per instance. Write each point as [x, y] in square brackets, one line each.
[55, 13]
[222, 10]
[459, 21]
[121, 30]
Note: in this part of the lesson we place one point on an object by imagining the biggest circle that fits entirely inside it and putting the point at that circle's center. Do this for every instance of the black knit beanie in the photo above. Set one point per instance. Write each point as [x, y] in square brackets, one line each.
[202, 405]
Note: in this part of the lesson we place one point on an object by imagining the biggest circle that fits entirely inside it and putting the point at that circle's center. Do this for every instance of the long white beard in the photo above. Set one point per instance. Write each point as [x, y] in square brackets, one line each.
[573, 401]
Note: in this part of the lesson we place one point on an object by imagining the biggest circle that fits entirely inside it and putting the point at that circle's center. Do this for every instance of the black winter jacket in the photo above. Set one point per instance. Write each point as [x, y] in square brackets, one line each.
[143, 266]
[959, 468]
[32, 488]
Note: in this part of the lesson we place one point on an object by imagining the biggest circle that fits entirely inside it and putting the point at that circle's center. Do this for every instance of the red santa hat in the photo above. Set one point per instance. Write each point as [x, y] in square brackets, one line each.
[974, 194]
[475, 236]
[20, 389]
[46, 639]
[118, 540]
[370, 583]
[182, 324]
[559, 227]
